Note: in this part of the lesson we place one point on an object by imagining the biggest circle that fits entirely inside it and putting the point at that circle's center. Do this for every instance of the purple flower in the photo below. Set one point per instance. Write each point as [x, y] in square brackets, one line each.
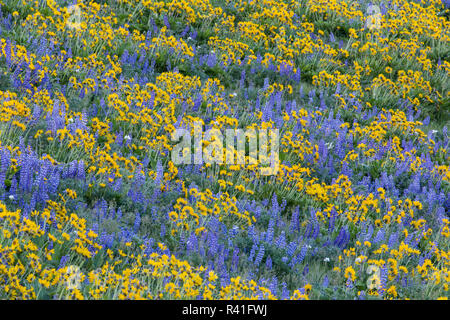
[192, 243]
[295, 221]
[253, 252]
[63, 261]
[325, 282]
[137, 222]
[281, 241]
[269, 263]
[259, 256]
[302, 254]
[380, 236]
[4, 165]
[291, 248]
[332, 38]
[81, 174]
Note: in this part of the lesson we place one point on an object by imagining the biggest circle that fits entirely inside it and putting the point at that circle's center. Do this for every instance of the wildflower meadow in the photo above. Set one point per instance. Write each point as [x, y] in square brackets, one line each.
[224, 149]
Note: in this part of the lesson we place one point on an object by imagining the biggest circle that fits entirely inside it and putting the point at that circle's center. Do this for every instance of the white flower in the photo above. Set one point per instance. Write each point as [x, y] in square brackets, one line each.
[308, 246]
[358, 260]
[189, 38]
[70, 120]
[11, 197]
[326, 259]
[434, 131]
[127, 137]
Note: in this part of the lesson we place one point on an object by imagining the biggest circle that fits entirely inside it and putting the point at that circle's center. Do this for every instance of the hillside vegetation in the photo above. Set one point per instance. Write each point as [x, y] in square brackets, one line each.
[93, 207]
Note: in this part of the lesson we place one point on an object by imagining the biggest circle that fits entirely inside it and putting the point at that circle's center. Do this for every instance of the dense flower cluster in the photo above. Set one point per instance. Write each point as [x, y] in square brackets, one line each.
[92, 206]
